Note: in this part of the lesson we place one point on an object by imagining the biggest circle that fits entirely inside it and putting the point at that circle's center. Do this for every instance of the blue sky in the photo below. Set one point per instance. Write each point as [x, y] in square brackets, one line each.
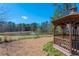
[29, 12]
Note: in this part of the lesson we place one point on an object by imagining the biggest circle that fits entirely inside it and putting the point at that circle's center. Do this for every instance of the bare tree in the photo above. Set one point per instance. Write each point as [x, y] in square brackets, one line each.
[3, 17]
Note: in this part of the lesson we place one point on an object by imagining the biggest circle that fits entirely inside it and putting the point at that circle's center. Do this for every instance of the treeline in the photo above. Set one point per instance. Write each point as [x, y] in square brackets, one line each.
[35, 27]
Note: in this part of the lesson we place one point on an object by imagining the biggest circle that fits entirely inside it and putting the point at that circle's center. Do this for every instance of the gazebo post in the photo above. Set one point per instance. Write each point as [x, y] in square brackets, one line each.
[63, 26]
[54, 33]
[70, 36]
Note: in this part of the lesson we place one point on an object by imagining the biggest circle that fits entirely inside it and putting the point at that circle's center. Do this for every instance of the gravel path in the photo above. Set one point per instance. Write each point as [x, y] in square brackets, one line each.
[28, 47]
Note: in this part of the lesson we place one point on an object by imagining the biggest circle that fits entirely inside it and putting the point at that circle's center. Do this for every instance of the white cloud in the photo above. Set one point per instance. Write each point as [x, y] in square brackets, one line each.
[24, 17]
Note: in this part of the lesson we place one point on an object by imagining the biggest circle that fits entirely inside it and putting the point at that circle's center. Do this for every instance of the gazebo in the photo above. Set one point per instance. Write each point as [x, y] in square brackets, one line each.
[68, 41]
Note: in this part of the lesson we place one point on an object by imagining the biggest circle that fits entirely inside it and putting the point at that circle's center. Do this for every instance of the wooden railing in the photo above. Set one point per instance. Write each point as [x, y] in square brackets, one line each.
[63, 42]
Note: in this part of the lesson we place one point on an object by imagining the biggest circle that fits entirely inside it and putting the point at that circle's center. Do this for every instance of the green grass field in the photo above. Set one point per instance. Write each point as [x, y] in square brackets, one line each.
[18, 37]
[50, 51]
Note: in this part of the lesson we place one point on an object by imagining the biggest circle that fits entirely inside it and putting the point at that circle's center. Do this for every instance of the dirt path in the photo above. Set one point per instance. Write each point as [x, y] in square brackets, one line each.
[28, 47]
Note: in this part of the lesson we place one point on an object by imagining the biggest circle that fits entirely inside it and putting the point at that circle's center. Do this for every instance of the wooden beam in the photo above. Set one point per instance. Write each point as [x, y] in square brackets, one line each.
[70, 36]
[54, 33]
[63, 27]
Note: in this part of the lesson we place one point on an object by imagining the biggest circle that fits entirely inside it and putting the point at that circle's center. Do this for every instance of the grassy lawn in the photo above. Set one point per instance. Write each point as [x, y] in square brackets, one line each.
[20, 37]
[48, 48]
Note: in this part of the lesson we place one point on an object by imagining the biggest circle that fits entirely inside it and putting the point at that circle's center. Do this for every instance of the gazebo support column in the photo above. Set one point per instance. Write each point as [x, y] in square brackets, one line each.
[54, 33]
[63, 26]
[70, 36]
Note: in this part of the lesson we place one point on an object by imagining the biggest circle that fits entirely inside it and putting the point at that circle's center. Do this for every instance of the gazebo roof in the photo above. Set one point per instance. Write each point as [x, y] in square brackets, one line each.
[72, 17]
